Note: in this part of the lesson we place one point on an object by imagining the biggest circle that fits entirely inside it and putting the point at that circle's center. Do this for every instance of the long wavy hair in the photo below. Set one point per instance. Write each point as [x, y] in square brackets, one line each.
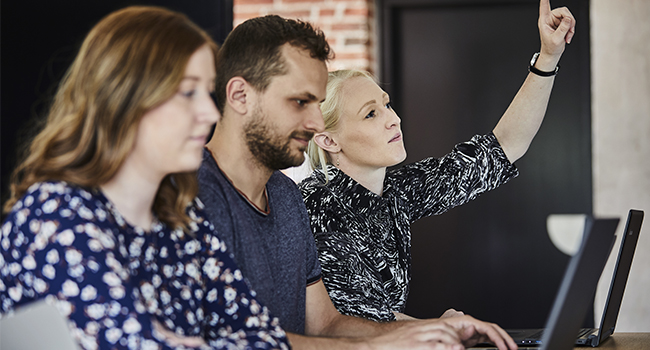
[130, 62]
[332, 108]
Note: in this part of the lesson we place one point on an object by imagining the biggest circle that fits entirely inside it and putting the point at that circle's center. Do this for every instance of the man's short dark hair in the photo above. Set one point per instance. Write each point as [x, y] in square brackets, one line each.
[252, 51]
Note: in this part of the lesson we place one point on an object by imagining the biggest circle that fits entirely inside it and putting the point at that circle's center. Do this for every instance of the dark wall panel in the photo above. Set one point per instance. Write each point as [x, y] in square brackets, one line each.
[452, 68]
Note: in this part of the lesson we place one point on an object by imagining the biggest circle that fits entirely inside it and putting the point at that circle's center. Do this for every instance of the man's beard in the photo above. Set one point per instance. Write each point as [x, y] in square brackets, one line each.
[270, 149]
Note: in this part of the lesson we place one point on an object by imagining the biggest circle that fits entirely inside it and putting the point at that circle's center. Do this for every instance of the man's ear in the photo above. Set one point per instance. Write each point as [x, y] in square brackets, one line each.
[237, 97]
[326, 141]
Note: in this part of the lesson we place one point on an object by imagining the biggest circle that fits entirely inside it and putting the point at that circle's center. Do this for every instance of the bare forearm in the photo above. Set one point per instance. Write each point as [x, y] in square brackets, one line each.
[348, 326]
[521, 121]
[301, 342]
[403, 317]
[356, 333]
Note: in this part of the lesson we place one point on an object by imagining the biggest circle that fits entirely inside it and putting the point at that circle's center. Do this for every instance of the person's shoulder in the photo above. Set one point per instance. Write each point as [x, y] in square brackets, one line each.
[280, 185]
[317, 195]
[58, 207]
[200, 225]
[278, 178]
[197, 213]
[313, 184]
[208, 170]
[212, 183]
[48, 196]
[310, 181]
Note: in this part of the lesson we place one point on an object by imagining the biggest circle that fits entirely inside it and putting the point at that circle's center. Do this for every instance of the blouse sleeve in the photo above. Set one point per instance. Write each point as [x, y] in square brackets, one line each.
[435, 185]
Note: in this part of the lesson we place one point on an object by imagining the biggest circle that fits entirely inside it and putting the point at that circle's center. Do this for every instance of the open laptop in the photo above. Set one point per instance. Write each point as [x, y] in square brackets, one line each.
[595, 336]
[619, 280]
[37, 326]
[578, 286]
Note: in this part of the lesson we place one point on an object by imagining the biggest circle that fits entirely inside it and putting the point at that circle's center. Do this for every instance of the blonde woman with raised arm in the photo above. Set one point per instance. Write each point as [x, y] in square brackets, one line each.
[361, 213]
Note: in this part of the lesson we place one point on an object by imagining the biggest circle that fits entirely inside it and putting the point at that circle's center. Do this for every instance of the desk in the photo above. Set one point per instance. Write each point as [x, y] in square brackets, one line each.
[618, 341]
[626, 341]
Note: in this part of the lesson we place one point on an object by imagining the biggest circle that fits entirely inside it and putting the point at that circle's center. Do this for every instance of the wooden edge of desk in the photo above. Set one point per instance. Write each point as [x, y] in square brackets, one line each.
[618, 341]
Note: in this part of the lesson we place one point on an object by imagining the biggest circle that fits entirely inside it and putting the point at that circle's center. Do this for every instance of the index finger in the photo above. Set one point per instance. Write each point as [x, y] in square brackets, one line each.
[497, 335]
[510, 342]
[544, 7]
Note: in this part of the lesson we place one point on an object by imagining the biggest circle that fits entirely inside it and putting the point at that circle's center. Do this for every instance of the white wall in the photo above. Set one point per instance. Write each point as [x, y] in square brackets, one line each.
[620, 100]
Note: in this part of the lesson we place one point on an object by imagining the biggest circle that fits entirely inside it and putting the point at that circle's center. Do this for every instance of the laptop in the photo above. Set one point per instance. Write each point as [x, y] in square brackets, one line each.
[578, 286]
[595, 336]
[619, 279]
[36, 326]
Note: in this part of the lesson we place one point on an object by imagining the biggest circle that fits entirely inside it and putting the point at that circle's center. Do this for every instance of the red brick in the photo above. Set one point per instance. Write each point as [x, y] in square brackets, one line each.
[351, 55]
[293, 14]
[349, 26]
[356, 12]
[357, 17]
[327, 12]
[242, 16]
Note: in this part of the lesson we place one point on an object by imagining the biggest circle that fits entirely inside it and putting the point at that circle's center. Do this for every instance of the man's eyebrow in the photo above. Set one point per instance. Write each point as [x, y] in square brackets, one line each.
[366, 104]
[306, 96]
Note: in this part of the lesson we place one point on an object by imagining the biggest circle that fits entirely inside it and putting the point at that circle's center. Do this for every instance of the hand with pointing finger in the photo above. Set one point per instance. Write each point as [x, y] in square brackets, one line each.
[556, 29]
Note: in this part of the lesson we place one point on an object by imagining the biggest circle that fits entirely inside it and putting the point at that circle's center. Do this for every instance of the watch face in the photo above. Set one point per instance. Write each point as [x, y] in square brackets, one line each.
[534, 59]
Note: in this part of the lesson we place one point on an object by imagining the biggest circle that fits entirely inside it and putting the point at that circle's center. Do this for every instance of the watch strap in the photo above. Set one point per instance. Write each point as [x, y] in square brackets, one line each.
[532, 69]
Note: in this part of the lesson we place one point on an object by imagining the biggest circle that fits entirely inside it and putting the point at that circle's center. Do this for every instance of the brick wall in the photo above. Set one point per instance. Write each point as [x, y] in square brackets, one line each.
[348, 25]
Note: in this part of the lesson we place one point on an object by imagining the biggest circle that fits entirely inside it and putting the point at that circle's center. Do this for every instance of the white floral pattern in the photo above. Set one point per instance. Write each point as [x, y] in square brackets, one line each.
[69, 246]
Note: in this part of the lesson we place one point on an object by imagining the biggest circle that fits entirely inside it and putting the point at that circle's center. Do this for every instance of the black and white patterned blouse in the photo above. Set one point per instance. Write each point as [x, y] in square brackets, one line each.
[364, 240]
[69, 246]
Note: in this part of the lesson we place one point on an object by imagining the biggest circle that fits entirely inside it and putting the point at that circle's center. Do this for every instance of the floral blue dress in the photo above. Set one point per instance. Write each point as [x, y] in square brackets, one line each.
[69, 245]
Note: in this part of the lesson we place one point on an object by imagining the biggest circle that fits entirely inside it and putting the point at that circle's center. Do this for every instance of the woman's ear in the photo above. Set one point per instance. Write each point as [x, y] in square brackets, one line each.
[236, 94]
[325, 141]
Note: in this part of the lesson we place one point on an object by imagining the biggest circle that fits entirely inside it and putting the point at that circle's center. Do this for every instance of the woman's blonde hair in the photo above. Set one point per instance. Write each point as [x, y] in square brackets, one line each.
[130, 62]
[332, 108]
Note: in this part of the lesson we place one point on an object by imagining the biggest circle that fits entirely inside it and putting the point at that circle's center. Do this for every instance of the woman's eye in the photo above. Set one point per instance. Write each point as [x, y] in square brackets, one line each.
[301, 103]
[188, 94]
[371, 114]
[389, 106]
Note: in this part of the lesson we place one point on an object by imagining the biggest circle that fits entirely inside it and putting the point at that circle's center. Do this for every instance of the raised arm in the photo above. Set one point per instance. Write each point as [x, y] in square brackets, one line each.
[522, 119]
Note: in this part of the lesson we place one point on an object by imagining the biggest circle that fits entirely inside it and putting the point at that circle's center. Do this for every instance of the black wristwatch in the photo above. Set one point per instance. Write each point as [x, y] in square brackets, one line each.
[532, 69]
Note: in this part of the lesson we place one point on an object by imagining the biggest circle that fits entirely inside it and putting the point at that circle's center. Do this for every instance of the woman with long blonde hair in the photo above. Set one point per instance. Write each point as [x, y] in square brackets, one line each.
[103, 220]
